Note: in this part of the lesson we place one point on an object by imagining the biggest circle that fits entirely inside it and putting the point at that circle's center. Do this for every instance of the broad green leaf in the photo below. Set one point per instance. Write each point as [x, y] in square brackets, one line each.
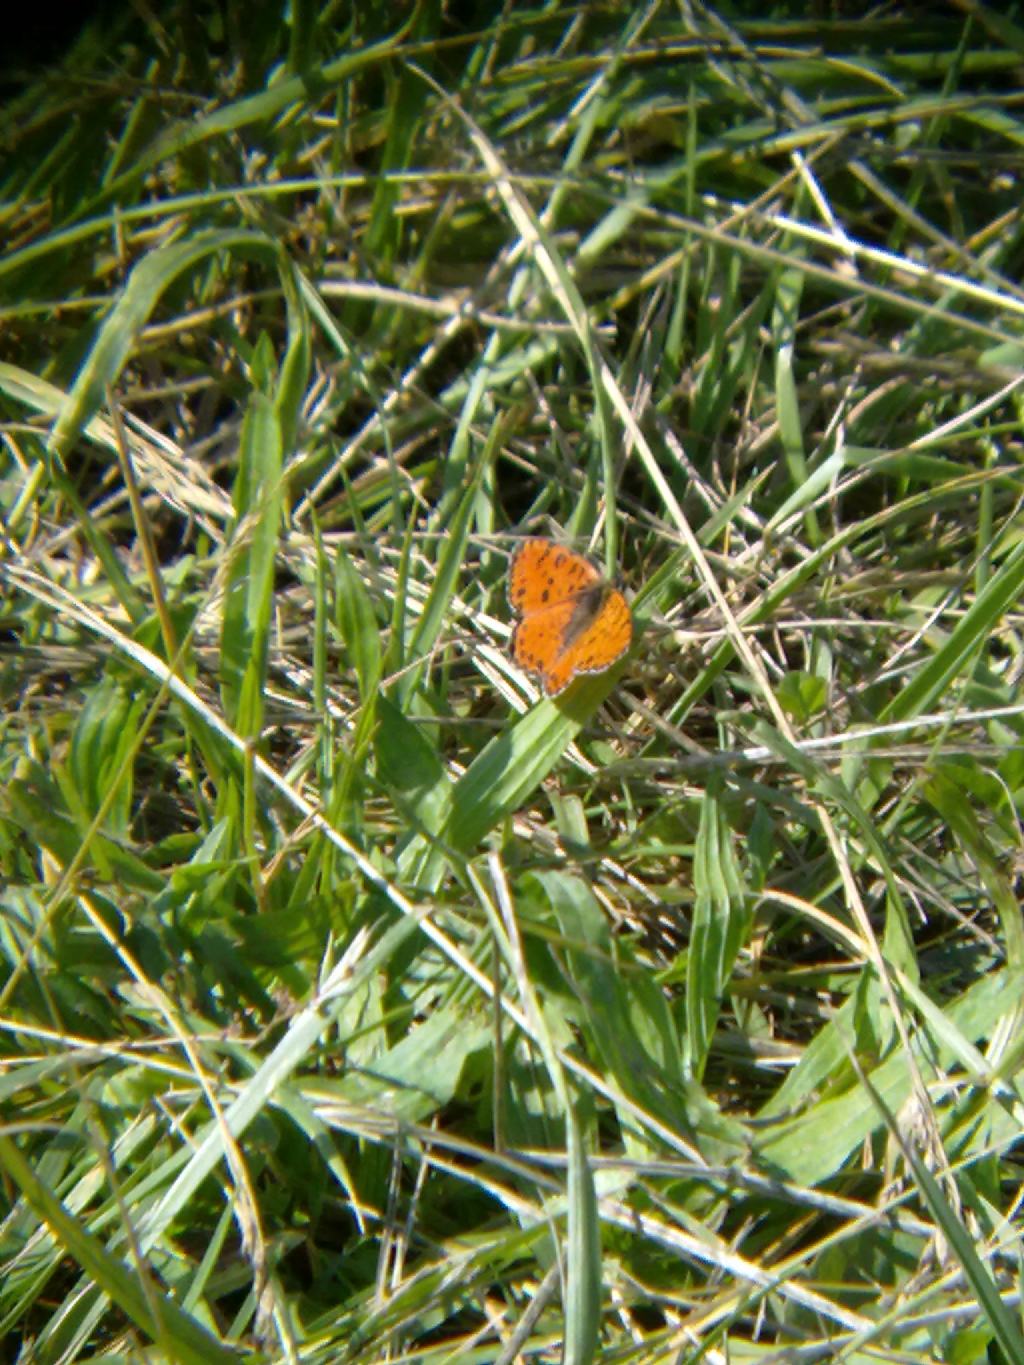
[721, 918]
[104, 734]
[822, 1137]
[357, 623]
[802, 695]
[245, 630]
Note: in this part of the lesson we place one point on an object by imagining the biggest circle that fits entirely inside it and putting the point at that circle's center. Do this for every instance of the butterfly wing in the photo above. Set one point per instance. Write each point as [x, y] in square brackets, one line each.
[543, 573]
[595, 644]
[537, 645]
[585, 634]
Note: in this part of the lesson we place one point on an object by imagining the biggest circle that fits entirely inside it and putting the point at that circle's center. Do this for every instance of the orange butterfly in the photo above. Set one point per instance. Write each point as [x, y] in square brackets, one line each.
[572, 620]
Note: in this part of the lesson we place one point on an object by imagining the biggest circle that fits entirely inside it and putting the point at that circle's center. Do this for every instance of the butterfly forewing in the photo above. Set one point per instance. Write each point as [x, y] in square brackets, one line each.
[543, 573]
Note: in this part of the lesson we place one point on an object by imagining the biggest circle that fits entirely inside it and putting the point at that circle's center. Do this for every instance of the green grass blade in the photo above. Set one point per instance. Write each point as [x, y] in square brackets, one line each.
[583, 1256]
[119, 331]
[245, 630]
[153, 1312]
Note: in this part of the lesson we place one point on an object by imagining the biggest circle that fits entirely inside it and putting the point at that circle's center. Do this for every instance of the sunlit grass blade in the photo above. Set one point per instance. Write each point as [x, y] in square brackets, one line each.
[144, 1301]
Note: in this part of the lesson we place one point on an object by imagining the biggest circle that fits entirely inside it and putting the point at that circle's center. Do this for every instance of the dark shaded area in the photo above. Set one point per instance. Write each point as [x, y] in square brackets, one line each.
[37, 36]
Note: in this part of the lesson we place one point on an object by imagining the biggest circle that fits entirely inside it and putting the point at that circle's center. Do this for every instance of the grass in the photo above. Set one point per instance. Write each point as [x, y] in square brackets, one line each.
[356, 1003]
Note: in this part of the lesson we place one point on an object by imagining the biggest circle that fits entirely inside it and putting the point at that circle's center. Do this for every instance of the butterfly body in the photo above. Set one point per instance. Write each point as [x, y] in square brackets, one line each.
[572, 620]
